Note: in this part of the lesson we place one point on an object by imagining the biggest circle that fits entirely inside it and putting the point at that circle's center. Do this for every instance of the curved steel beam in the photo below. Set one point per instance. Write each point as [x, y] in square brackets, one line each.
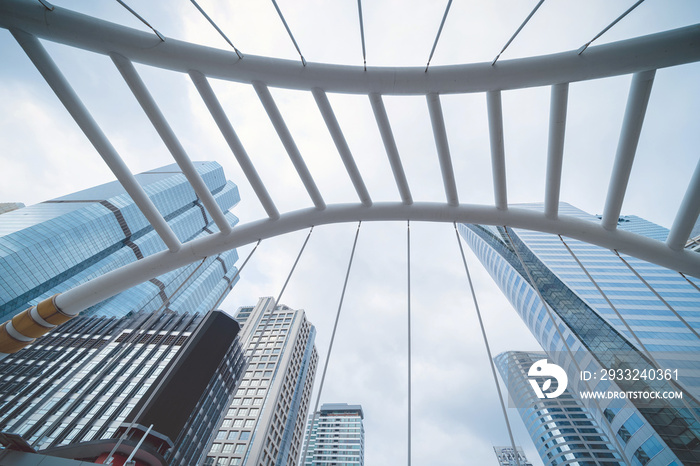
[654, 51]
[103, 287]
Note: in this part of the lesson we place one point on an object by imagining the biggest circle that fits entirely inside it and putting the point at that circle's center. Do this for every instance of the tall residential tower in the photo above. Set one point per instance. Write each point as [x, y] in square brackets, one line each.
[265, 422]
[335, 435]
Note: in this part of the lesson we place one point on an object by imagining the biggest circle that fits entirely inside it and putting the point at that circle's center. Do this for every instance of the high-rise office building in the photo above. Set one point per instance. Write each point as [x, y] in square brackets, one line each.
[76, 392]
[335, 436]
[265, 422]
[53, 246]
[110, 370]
[562, 429]
[508, 457]
[608, 312]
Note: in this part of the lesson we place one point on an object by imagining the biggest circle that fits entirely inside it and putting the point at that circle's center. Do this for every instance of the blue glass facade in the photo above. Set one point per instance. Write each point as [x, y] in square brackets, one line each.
[592, 326]
[562, 429]
[50, 247]
[83, 382]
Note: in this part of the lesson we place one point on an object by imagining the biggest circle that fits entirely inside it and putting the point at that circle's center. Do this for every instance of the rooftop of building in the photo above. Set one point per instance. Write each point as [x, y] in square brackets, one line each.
[342, 407]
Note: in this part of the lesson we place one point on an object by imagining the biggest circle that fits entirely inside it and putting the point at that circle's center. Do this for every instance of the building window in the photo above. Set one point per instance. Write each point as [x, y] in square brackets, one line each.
[240, 448]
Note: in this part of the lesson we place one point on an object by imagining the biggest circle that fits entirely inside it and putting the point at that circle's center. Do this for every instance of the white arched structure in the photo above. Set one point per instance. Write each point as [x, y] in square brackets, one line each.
[640, 57]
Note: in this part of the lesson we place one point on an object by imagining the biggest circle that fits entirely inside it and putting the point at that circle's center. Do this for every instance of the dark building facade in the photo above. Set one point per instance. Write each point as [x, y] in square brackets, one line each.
[99, 383]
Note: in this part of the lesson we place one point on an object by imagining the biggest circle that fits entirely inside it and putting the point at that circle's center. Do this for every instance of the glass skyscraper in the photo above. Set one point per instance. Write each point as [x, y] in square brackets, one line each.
[53, 246]
[608, 312]
[265, 422]
[75, 391]
[335, 436]
[91, 380]
[562, 429]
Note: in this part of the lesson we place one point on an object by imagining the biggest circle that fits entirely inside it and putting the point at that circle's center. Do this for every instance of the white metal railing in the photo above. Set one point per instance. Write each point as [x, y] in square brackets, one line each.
[30, 21]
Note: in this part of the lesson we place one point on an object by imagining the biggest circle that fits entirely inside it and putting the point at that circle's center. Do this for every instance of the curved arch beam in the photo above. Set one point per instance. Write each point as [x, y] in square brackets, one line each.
[101, 288]
[650, 52]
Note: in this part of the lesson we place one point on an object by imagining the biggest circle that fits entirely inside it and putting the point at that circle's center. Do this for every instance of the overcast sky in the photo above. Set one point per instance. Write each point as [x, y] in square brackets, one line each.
[456, 415]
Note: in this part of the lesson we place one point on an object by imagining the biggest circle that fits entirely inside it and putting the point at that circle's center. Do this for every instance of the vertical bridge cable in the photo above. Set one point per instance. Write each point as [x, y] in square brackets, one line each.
[162, 39]
[362, 33]
[233, 279]
[330, 346]
[532, 13]
[289, 31]
[289, 276]
[488, 348]
[211, 21]
[47, 5]
[550, 314]
[408, 270]
[689, 281]
[437, 38]
[274, 308]
[651, 288]
[629, 10]
[636, 338]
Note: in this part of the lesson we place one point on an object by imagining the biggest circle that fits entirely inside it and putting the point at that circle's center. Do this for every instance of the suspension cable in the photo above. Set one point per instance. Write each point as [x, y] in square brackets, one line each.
[629, 10]
[437, 38]
[689, 281]
[629, 266]
[233, 279]
[532, 13]
[47, 5]
[330, 346]
[162, 39]
[362, 32]
[643, 347]
[408, 276]
[268, 320]
[550, 314]
[279, 296]
[211, 21]
[488, 347]
[289, 31]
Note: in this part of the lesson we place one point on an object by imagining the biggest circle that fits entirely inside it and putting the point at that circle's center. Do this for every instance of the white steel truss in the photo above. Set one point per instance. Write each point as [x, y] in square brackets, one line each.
[640, 57]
